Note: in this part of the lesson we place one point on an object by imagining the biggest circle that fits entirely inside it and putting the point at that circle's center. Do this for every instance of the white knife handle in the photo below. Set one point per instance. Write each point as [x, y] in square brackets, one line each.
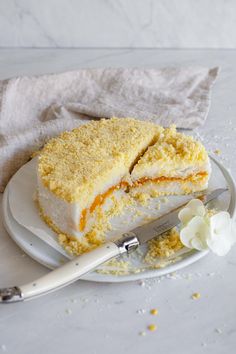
[62, 276]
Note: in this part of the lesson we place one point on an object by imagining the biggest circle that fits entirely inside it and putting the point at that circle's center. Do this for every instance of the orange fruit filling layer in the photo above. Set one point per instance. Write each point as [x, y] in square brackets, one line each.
[190, 178]
[98, 201]
[100, 198]
[83, 218]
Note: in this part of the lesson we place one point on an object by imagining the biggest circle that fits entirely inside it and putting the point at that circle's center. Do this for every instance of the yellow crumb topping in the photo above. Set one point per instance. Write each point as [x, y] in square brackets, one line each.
[78, 164]
[172, 151]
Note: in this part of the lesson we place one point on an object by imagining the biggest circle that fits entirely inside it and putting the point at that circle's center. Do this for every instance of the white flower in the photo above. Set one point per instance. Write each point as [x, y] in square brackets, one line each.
[222, 233]
[199, 231]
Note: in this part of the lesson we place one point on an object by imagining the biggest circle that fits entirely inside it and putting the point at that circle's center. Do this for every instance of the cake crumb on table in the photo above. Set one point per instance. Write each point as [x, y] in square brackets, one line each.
[68, 311]
[196, 296]
[218, 330]
[152, 327]
[141, 311]
[74, 301]
[154, 312]
[142, 283]
[217, 152]
[143, 334]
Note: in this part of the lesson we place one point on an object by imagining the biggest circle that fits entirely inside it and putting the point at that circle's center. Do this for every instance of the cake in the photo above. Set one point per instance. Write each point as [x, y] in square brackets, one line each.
[80, 170]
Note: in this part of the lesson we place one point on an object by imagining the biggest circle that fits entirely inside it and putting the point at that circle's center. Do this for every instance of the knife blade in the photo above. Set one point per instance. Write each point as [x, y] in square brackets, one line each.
[73, 270]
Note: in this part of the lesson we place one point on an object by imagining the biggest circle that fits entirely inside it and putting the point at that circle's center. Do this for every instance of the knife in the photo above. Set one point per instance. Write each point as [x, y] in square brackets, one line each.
[73, 270]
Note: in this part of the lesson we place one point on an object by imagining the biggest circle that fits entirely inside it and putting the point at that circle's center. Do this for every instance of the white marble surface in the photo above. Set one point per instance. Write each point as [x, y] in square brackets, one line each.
[118, 23]
[103, 318]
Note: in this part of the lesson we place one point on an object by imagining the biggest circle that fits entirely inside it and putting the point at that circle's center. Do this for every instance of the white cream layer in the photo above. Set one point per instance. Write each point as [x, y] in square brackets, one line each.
[154, 171]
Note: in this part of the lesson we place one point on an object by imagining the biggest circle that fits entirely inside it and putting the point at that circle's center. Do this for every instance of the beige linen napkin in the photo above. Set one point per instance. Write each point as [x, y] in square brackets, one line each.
[33, 109]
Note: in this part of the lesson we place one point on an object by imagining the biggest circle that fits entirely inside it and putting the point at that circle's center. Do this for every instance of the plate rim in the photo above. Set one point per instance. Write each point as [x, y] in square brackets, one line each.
[108, 278]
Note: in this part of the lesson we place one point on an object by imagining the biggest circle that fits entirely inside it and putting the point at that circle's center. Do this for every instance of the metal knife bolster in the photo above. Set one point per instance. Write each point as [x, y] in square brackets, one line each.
[11, 294]
[127, 243]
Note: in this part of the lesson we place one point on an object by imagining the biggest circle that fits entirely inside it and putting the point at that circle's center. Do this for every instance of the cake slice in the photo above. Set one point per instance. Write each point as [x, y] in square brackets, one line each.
[79, 170]
[175, 164]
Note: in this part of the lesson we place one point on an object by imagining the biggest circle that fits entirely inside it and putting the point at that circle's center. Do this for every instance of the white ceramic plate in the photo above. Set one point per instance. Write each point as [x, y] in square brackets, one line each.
[39, 242]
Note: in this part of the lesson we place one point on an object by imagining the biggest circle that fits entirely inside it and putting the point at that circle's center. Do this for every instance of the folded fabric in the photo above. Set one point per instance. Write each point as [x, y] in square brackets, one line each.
[33, 109]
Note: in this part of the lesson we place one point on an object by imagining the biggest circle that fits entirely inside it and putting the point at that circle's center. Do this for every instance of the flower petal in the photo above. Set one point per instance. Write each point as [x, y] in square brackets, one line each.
[198, 244]
[197, 207]
[223, 233]
[219, 222]
[232, 233]
[220, 247]
[194, 235]
[185, 215]
[186, 237]
[194, 208]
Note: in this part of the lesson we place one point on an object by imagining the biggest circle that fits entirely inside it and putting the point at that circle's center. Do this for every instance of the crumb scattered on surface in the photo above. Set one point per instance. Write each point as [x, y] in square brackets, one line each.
[152, 327]
[115, 267]
[68, 311]
[217, 151]
[74, 301]
[142, 198]
[211, 274]
[142, 283]
[154, 312]
[141, 311]
[196, 296]
[142, 333]
[211, 212]
[163, 246]
[218, 330]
